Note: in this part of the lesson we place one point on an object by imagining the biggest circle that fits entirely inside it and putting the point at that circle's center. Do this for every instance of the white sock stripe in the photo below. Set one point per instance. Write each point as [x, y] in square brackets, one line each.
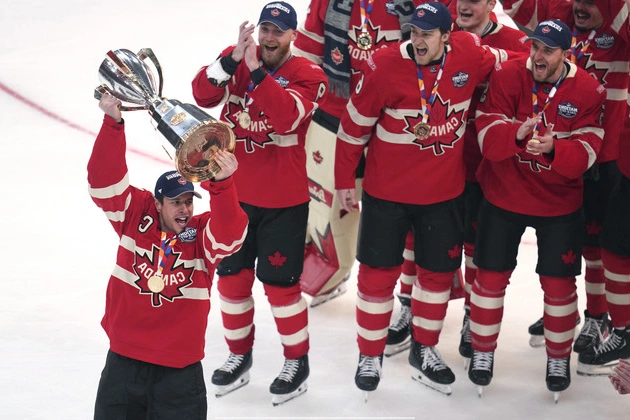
[372, 335]
[427, 324]
[468, 288]
[408, 255]
[618, 299]
[236, 308]
[561, 310]
[407, 279]
[485, 330]
[621, 278]
[375, 308]
[295, 338]
[559, 337]
[469, 262]
[594, 288]
[487, 302]
[289, 310]
[239, 333]
[427, 296]
[594, 264]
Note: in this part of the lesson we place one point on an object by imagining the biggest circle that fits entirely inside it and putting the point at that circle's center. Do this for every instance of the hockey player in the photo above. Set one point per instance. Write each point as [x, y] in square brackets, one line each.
[601, 46]
[477, 17]
[339, 35]
[269, 96]
[158, 296]
[414, 178]
[616, 260]
[539, 131]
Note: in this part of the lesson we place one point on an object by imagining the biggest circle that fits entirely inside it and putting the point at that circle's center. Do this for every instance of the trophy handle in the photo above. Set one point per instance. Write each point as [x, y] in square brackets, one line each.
[148, 53]
[102, 89]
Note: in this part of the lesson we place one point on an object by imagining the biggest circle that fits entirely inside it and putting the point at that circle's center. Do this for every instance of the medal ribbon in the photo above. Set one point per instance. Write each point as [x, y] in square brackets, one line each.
[365, 15]
[552, 93]
[165, 250]
[575, 56]
[426, 105]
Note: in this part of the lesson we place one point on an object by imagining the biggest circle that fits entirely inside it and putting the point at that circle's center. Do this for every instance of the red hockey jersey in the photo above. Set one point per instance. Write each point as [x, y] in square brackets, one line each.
[607, 57]
[400, 167]
[270, 152]
[383, 27]
[514, 42]
[166, 328]
[547, 184]
[530, 13]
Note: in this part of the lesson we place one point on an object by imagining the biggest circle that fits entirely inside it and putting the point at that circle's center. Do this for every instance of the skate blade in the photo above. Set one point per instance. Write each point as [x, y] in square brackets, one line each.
[536, 341]
[597, 370]
[556, 397]
[366, 396]
[442, 388]
[394, 349]
[221, 390]
[335, 293]
[480, 390]
[277, 399]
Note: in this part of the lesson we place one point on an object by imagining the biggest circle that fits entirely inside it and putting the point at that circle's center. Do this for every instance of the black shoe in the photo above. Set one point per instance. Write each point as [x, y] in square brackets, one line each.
[558, 375]
[465, 346]
[601, 359]
[481, 367]
[234, 367]
[429, 362]
[291, 381]
[593, 333]
[368, 373]
[399, 331]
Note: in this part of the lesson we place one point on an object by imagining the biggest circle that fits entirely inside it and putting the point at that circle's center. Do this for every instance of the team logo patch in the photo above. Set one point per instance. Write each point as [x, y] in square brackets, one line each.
[282, 81]
[182, 181]
[460, 79]
[567, 110]
[275, 12]
[189, 234]
[337, 56]
[605, 41]
[317, 157]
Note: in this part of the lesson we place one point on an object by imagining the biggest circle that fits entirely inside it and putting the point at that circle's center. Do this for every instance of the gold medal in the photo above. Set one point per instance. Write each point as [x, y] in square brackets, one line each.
[244, 120]
[364, 41]
[421, 130]
[533, 141]
[156, 284]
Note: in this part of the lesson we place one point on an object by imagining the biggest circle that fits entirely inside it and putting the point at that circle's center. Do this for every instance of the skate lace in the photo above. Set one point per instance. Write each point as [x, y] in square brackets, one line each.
[465, 332]
[403, 319]
[557, 366]
[370, 366]
[593, 328]
[289, 370]
[613, 342]
[233, 362]
[431, 357]
[482, 360]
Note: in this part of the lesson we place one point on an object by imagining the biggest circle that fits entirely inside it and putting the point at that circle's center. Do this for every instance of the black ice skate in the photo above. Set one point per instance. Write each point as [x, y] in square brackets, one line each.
[368, 373]
[398, 334]
[558, 375]
[337, 291]
[465, 346]
[481, 367]
[537, 332]
[593, 333]
[291, 382]
[602, 359]
[429, 368]
[233, 375]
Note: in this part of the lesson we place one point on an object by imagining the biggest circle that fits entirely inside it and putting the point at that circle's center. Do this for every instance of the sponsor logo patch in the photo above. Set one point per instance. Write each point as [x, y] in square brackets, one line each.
[460, 79]
[189, 234]
[567, 110]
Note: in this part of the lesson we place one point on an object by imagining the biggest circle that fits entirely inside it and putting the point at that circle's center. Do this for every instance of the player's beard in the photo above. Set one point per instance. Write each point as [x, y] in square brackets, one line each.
[274, 59]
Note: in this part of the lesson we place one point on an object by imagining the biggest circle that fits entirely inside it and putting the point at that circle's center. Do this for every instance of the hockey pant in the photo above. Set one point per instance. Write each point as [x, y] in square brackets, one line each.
[331, 237]
[237, 311]
[486, 311]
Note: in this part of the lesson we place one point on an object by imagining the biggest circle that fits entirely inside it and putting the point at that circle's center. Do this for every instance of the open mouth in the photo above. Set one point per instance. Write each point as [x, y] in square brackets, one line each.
[421, 52]
[465, 15]
[269, 49]
[181, 221]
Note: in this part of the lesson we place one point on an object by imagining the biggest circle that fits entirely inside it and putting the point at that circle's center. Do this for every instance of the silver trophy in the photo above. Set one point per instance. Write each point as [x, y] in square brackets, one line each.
[195, 135]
